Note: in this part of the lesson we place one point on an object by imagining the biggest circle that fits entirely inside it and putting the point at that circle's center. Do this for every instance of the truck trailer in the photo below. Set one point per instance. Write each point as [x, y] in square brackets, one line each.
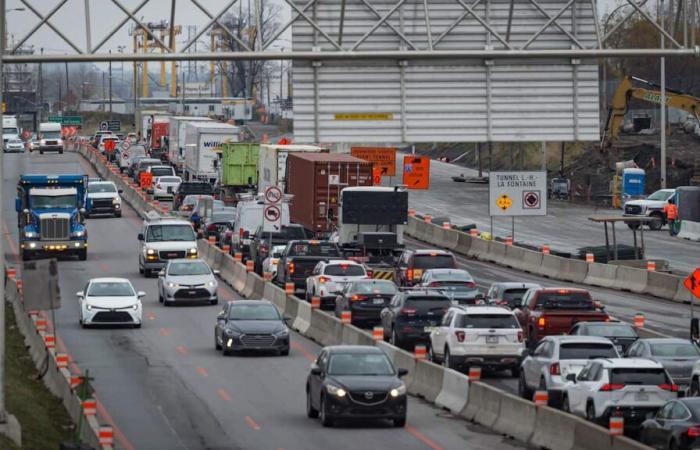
[238, 169]
[176, 139]
[273, 163]
[202, 141]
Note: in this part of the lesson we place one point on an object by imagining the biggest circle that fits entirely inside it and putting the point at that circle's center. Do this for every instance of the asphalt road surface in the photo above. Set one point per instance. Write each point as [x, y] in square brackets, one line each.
[165, 386]
[565, 228]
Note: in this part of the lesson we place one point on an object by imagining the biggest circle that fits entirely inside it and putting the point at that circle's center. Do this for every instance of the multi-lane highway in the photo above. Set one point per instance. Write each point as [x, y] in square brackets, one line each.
[566, 227]
[165, 386]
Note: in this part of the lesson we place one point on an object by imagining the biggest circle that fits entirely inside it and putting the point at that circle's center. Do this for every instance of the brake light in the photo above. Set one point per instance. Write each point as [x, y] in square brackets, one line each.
[370, 273]
[554, 369]
[520, 336]
[408, 311]
[324, 280]
[611, 387]
[693, 432]
[211, 227]
[669, 387]
[541, 322]
[563, 291]
[358, 298]
[409, 274]
[460, 336]
[159, 186]
[343, 266]
[241, 232]
[290, 268]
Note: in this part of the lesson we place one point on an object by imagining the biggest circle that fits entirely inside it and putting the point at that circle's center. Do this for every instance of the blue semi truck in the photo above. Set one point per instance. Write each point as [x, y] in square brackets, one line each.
[50, 215]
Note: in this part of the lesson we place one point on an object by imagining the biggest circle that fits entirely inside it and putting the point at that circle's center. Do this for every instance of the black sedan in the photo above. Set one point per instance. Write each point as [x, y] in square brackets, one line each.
[251, 325]
[623, 335]
[675, 426]
[355, 382]
[365, 299]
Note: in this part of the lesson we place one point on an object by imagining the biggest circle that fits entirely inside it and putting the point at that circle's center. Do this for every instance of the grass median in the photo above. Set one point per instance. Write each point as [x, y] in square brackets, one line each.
[45, 422]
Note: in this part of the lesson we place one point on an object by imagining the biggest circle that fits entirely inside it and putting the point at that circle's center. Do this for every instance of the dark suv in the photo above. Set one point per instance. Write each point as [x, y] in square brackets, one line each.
[412, 263]
[412, 315]
[263, 240]
[190, 188]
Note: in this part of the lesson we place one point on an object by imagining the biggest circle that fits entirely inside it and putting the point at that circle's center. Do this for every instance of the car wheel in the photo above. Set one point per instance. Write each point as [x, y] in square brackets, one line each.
[137, 325]
[394, 339]
[284, 352]
[217, 346]
[214, 302]
[431, 354]
[119, 214]
[673, 445]
[657, 223]
[523, 390]
[447, 360]
[311, 413]
[82, 255]
[400, 423]
[140, 270]
[565, 405]
[515, 371]
[694, 388]
[590, 412]
[326, 420]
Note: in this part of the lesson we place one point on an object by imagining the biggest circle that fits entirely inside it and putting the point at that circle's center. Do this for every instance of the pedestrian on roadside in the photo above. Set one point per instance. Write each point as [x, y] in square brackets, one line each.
[671, 211]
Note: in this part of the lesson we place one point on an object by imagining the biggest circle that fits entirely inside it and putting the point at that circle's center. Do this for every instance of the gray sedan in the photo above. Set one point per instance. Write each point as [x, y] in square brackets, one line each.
[676, 355]
[187, 280]
[457, 284]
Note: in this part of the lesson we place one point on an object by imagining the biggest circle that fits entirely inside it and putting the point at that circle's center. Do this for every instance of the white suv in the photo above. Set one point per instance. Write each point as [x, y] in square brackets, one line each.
[329, 277]
[629, 387]
[163, 240]
[487, 336]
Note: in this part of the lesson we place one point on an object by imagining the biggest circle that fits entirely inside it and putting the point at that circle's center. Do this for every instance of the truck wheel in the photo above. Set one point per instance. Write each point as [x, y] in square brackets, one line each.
[82, 255]
[632, 226]
[657, 223]
[60, 152]
[118, 214]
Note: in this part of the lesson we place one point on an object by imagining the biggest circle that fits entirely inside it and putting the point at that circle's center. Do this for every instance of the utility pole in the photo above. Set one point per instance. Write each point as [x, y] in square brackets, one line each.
[104, 92]
[67, 86]
[110, 88]
[3, 414]
[41, 88]
[662, 18]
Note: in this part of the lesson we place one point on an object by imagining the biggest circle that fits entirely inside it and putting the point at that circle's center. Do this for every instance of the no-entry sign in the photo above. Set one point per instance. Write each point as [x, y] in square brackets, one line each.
[518, 194]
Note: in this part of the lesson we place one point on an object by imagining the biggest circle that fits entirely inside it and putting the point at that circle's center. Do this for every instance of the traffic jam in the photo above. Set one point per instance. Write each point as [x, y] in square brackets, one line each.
[322, 226]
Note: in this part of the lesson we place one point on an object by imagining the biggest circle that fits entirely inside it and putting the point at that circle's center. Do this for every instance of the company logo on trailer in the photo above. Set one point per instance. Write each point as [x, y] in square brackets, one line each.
[211, 144]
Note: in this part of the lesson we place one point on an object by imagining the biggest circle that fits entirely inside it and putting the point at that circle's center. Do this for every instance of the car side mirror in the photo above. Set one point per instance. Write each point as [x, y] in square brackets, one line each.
[217, 272]
[286, 318]
[161, 273]
[141, 237]
[140, 294]
[315, 370]
[121, 191]
[80, 294]
[402, 372]
[200, 235]
[571, 377]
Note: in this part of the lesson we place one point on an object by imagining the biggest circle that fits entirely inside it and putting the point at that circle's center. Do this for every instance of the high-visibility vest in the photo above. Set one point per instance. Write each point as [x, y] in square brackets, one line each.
[671, 211]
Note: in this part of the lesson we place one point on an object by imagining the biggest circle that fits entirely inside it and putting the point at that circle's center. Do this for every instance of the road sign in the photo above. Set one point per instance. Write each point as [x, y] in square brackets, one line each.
[376, 176]
[692, 283]
[104, 126]
[364, 116]
[109, 145]
[382, 157]
[416, 172]
[114, 125]
[146, 180]
[74, 121]
[518, 194]
[273, 218]
[273, 195]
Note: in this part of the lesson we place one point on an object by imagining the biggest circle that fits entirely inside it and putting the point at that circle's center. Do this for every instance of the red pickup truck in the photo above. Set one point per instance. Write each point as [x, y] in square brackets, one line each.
[552, 311]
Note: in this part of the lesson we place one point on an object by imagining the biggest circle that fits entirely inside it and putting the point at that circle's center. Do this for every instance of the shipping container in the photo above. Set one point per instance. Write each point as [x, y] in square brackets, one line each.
[315, 180]
[239, 164]
[273, 163]
[176, 139]
[201, 143]
[159, 130]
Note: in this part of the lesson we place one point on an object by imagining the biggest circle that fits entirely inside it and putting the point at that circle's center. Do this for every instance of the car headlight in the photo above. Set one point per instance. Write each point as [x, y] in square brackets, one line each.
[88, 307]
[29, 234]
[115, 201]
[283, 332]
[232, 332]
[212, 283]
[193, 251]
[136, 307]
[401, 390]
[335, 390]
[79, 233]
[170, 284]
[150, 251]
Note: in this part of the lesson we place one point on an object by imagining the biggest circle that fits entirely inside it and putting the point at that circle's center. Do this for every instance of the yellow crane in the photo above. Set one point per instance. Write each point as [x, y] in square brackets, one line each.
[648, 93]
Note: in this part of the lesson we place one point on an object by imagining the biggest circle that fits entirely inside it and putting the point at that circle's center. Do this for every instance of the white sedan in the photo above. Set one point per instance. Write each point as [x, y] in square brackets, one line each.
[110, 301]
[165, 186]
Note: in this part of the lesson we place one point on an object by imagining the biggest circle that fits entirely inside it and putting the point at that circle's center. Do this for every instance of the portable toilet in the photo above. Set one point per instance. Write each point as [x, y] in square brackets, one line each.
[632, 184]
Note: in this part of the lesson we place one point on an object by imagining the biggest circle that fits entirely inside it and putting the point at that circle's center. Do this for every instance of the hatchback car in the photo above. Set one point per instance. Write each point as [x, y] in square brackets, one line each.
[251, 325]
[623, 335]
[187, 280]
[457, 284]
[365, 299]
[675, 426]
[678, 356]
[110, 301]
[355, 382]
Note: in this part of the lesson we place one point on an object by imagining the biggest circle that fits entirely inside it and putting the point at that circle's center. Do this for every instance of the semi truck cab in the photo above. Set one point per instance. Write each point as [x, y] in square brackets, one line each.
[50, 215]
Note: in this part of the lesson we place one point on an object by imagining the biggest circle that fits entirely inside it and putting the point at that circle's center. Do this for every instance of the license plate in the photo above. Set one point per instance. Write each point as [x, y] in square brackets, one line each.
[192, 292]
[492, 339]
[378, 301]
[641, 396]
[429, 329]
[172, 255]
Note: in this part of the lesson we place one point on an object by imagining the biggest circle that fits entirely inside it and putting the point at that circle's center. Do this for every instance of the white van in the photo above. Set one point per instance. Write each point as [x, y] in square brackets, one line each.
[127, 152]
[50, 138]
[248, 217]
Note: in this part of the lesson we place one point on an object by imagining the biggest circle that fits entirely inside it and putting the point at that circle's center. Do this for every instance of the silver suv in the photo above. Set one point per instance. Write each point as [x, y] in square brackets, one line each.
[163, 240]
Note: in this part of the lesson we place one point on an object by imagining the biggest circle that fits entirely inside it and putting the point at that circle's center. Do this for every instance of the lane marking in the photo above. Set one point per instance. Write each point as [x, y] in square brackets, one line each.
[203, 372]
[252, 423]
[164, 332]
[296, 346]
[182, 350]
[423, 438]
[104, 268]
[224, 395]
[150, 316]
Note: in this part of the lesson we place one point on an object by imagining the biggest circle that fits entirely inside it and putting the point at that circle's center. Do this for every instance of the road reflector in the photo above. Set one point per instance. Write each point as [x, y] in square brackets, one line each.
[40, 324]
[446, 225]
[50, 341]
[267, 276]
[346, 317]
[61, 360]
[474, 373]
[211, 239]
[590, 258]
[474, 233]
[545, 249]
[651, 266]
[11, 273]
[420, 351]
[617, 425]
[106, 435]
[509, 241]
[541, 398]
[249, 265]
[238, 256]
[90, 407]
[75, 381]
[226, 248]
[378, 333]
[411, 212]
[427, 218]
[639, 320]
[315, 302]
[289, 288]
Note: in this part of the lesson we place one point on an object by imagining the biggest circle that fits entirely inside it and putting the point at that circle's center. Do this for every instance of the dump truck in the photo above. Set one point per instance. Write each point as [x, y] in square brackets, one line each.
[238, 169]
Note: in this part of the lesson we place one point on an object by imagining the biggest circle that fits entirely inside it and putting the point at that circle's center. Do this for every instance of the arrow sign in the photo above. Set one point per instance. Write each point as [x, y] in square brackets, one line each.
[692, 283]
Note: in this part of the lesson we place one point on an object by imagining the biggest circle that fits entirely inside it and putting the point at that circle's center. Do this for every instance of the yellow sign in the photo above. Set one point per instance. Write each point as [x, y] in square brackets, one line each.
[384, 158]
[504, 202]
[364, 116]
[4, 107]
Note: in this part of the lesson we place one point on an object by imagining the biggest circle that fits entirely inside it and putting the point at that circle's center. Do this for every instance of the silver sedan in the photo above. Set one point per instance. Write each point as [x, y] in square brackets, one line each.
[187, 280]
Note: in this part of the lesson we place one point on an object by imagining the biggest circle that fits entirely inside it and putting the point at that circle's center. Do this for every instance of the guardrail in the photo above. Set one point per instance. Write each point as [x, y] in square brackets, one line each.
[475, 401]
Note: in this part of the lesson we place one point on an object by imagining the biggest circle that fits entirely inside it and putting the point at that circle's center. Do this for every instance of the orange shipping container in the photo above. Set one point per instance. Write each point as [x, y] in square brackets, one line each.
[315, 180]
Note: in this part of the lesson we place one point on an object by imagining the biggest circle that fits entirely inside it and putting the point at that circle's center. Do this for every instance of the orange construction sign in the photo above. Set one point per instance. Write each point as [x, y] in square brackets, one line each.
[110, 145]
[376, 176]
[416, 172]
[382, 157]
[692, 283]
[146, 180]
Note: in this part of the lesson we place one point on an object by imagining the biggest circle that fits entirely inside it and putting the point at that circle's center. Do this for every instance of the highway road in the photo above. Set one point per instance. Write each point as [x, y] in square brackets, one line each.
[164, 385]
[565, 228]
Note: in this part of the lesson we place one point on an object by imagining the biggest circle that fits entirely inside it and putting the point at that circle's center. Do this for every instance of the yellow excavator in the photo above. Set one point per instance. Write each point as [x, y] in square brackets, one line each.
[648, 92]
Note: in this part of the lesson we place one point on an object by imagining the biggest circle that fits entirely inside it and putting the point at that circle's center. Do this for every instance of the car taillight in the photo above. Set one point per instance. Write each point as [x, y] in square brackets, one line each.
[541, 322]
[358, 298]
[263, 249]
[241, 232]
[669, 387]
[409, 274]
[290, 267]
[693, 432]
[520, 336]
[408, 311]
[212, 227]
[460, 336]
[554, 369]
[370, 273]
[159, 186]
[324, 280]
[611, 387]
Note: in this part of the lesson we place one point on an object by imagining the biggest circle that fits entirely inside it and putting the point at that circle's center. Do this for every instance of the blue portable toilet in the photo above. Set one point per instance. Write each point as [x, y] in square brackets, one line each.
[632, 184]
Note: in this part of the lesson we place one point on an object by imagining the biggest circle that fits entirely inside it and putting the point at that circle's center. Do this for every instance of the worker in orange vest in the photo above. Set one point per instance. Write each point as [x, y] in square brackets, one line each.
[671, 211]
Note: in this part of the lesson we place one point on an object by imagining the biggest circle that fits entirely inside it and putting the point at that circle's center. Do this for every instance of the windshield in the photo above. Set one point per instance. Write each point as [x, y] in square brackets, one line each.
[513, 296]
[433, 262]
[649, 377]
[160, 171]
[51, 134]
[189, 268]
[345, 270]
[286, 233]
[684, 350]
[111, 289]
[168, 180]
[359, 364]
[57, 201]
[564, 300]
[165, 233]
[587, 351]
[374, 287]
[99, 188]
[610, 330]
[10, 131]
[314, 249]
[660, 195]
[423, 305]
[254, 312]
[487, 321]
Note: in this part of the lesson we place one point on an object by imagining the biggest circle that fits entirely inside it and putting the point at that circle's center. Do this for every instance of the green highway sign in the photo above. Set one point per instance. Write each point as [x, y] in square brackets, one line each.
[67, 120]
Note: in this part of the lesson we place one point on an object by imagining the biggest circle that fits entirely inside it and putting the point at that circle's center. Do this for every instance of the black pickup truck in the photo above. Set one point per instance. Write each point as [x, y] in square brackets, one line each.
[190, 188]
[300, 258]
[265, 240]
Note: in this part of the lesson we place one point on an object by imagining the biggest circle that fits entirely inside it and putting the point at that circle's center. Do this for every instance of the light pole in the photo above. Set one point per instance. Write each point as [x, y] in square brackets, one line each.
[110, 88]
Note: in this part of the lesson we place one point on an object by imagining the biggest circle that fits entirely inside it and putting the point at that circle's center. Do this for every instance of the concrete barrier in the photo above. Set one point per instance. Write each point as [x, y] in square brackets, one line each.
[573, 270]
[240, 275]
[689, 230]
[402, 360]
[516, 417]
[454, 392]
[258, 285]
[603, 275]
[248, 286]
[682, 294]
[445, 238]
[464, 243]
[479, 248]
[276, 295]
[427, 380]
[551, 265]
[302, 320]
[663, 285]
[291, 306]
[589, 436]
[631, 279]
[421, 232]
[515, 257]
[325, 328]
[204, 251]
[352, 335]
[625, 443]
[484, 404]
[554, 429]
[496, 253]
[217, 256]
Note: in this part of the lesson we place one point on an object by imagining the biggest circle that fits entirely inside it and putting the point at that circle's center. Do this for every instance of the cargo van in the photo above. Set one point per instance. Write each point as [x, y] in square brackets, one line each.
[248, 217]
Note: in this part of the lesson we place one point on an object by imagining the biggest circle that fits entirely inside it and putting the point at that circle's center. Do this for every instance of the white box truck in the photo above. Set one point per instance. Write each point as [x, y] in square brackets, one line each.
[202, 139]
[10, 128]
[50, 137]
[176, 147]
[272, 170]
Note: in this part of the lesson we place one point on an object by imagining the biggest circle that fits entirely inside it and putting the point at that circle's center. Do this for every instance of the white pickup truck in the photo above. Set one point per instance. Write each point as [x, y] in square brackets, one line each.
[652, 206]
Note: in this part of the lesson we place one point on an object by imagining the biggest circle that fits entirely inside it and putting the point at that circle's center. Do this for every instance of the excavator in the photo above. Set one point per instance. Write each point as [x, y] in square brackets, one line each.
[649, 92]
